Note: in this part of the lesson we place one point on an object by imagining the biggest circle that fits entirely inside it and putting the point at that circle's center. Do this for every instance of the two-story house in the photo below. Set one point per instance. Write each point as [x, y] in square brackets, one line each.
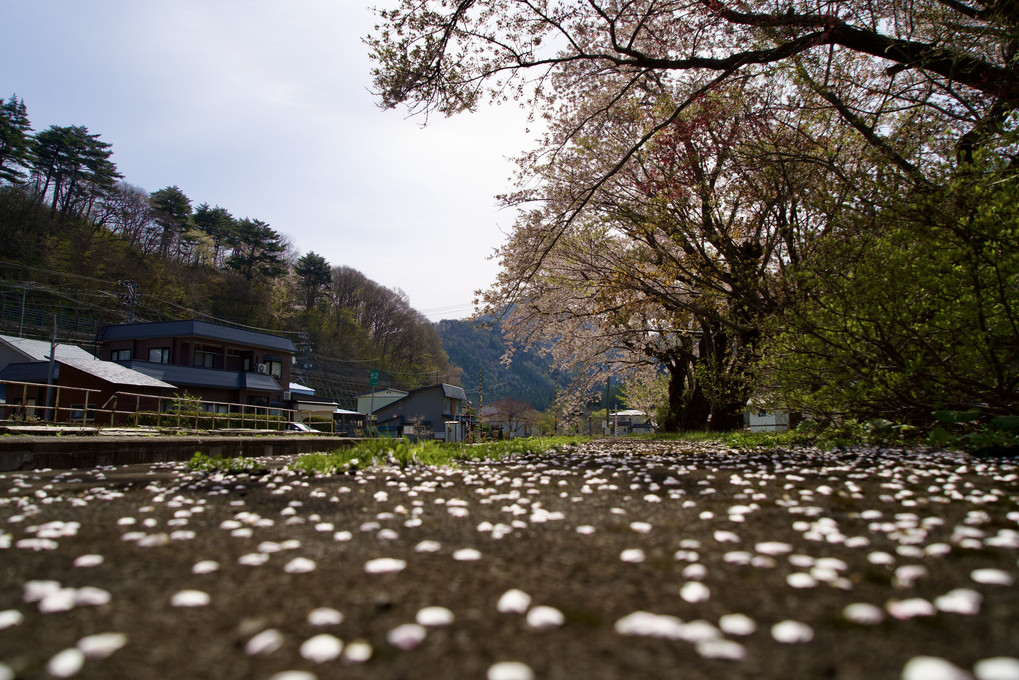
[215, 363]
[435, 412]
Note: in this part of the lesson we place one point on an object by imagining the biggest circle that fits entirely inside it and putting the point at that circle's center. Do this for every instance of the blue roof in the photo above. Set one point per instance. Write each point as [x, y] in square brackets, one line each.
[182, 376]
[197, 329]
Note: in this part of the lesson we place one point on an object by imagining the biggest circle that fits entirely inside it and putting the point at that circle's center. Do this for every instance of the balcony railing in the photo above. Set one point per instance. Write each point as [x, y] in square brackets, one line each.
[34, 403]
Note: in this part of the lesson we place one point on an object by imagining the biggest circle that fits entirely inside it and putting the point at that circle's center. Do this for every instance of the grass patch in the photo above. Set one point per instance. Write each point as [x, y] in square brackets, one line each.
[200, 462]
[404, 453]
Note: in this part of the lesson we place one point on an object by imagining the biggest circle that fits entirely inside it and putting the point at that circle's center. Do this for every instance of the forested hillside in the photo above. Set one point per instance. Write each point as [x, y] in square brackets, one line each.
[80, 244]
[477, 349]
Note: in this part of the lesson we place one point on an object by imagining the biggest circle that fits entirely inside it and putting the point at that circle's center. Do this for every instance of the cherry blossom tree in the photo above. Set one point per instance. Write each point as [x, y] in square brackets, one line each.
[693, 153]
[673, 260]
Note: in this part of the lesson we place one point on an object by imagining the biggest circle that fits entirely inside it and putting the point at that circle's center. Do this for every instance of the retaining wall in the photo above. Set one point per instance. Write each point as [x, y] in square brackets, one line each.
[66, 452]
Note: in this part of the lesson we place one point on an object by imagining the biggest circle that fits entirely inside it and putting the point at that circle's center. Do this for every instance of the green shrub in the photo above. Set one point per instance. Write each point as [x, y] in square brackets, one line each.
[201, 462]
[405, 453]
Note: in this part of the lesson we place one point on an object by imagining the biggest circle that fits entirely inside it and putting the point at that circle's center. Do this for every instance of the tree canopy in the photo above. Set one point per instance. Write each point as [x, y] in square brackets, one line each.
[700, 160]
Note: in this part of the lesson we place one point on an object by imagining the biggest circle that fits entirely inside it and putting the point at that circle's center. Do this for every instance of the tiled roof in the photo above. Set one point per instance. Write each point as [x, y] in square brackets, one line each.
[453, 392]
[39, 350]
[114, 373]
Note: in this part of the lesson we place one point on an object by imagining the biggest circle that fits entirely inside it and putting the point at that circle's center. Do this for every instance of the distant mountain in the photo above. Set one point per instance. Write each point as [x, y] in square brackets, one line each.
[478, 351]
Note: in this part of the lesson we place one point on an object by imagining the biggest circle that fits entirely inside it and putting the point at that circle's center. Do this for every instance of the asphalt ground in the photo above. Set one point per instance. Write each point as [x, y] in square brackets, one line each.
[632, 560]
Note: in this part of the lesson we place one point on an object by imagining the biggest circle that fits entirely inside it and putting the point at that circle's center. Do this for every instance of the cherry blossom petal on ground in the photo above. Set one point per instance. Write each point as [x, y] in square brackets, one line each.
[434, 616]
[992, 577]
[358, 651]
[646, 624]
[694, 591]
[910, 608]
[384, 565]
[545, 617]
[322, 648]
[932, 668]
[406, 636]
[510, 670]
[514, 601]
[205, 567]
[632, 555]
[66, 663]
[101, 645]
[717, 648]
[266, 642]
[190, 598]
[293, 675]
[10, 617]
[737, 624]
[87, 561]
[997, 668]
[792, 632]
[300, 565]
[863, 614]
[325, 616]
[959, 601]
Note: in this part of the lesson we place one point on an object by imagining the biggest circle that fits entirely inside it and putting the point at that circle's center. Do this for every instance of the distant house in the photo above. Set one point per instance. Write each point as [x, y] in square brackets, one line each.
[219, 364]
[759, 420]
[435, 412]
[308, 406]
[72, 385]
[373, 401]
[510, 418]
[630, 421]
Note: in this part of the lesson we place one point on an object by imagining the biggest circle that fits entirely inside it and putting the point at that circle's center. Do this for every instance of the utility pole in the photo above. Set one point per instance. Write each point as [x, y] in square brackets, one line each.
[608, 392]
[130, 298]
[305, 371]
[24, 294]
[51, 372]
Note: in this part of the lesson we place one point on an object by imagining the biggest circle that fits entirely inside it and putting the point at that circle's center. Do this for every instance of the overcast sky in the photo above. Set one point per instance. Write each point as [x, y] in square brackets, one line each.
[263, 107]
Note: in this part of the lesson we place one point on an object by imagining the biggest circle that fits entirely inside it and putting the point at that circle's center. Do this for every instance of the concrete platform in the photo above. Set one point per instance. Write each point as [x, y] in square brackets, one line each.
[66, 451]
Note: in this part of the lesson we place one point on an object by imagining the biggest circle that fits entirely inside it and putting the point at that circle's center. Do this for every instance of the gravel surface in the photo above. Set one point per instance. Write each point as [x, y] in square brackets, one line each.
[616, 559]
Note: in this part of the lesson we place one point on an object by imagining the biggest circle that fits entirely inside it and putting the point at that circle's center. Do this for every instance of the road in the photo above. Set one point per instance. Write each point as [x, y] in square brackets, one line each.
[620, 559]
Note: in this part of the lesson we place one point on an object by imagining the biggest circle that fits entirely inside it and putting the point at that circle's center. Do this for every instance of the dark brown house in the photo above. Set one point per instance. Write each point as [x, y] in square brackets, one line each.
[219, 364]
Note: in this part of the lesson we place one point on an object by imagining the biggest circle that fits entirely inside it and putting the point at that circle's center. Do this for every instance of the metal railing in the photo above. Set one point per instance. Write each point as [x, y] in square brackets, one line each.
[35, 403]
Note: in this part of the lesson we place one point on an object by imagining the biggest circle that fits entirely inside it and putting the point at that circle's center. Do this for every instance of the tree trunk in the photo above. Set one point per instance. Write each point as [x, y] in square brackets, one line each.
[727, 418]
[688, 407]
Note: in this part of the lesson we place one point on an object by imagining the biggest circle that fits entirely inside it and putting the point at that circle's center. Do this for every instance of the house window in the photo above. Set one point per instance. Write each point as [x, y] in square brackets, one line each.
[159, 355]
[237, 360]
[120, 355]
[205, 356]
[275, 369]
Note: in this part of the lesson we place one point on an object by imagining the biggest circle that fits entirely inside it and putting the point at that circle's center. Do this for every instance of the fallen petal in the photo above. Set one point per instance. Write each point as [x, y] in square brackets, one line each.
[792, 632]
[321, 648]
[932, 668]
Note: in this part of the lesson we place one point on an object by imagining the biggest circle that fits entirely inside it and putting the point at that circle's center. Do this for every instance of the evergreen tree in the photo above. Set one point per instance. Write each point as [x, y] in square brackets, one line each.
[219, 224]
[15, 140]
[72, 169]
[172, 209]
[257, 251]
[313, 273]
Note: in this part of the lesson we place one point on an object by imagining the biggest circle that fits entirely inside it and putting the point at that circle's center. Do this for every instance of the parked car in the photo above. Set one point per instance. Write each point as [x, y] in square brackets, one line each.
[299, 427]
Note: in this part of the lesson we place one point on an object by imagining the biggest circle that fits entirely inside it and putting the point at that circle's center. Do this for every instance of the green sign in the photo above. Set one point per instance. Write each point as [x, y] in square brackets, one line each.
[373, 378]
